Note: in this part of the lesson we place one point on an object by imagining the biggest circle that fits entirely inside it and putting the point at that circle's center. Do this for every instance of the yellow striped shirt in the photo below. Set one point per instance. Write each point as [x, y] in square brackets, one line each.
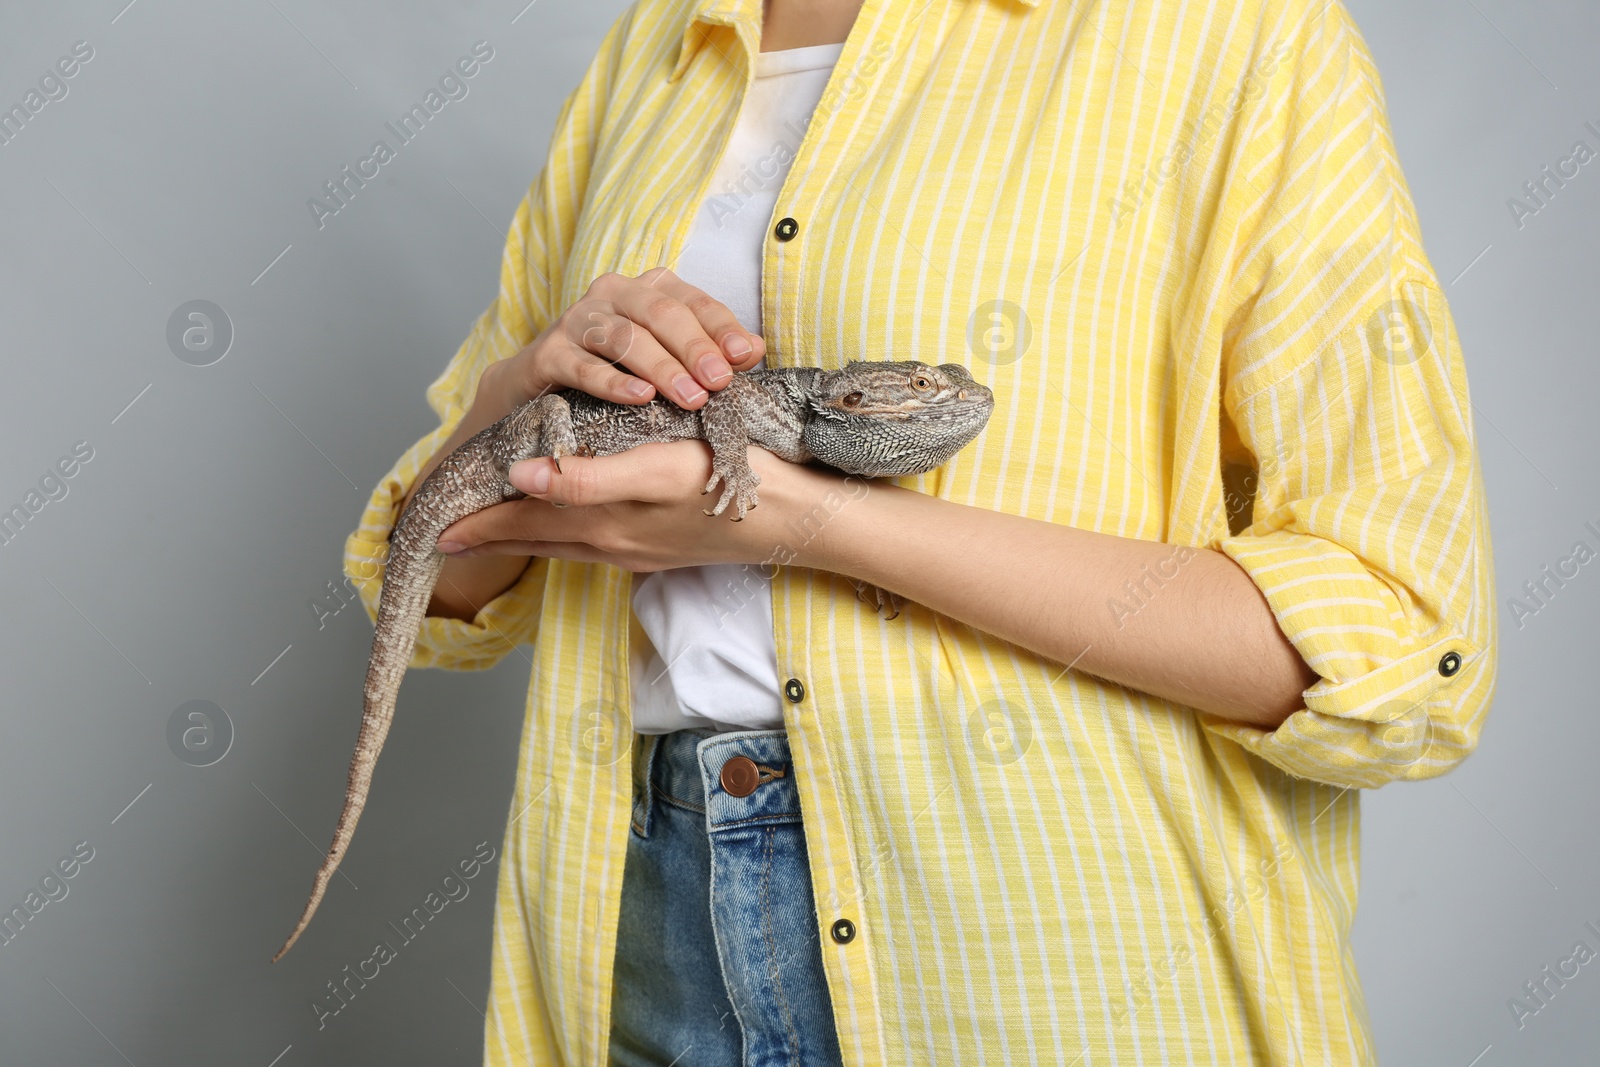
[1175, 241]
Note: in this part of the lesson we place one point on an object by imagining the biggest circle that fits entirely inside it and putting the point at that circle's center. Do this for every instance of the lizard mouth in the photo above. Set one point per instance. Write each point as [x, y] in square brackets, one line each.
[910, 409]
[952, 403]
[910, 393]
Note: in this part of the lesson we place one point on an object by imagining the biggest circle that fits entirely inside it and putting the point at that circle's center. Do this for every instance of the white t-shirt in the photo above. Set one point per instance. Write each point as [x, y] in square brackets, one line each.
[710, 659]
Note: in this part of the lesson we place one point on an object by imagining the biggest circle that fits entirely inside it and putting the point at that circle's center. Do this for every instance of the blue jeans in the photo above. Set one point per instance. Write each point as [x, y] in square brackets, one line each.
[719, 958]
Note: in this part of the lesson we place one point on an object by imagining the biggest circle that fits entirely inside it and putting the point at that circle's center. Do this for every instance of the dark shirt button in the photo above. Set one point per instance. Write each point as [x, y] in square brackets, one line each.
[786, 229]
[1450, 664]
[739, 776]
[794, 690]
[844, 931]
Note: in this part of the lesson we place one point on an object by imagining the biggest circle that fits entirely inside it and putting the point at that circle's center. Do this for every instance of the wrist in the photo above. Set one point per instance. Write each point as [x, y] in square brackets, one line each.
[507, 384]
[495, 397]
[466, 586]
[490, 403]
[835, 521]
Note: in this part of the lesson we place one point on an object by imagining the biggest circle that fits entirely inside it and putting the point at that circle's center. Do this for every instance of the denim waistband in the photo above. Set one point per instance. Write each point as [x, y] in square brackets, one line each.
[685, 767]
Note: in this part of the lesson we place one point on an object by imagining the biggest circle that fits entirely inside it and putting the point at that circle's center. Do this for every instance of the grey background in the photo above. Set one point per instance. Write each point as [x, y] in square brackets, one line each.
[182, 562]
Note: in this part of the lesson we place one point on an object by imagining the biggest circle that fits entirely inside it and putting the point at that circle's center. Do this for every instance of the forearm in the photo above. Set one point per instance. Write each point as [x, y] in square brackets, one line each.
[1192, 627]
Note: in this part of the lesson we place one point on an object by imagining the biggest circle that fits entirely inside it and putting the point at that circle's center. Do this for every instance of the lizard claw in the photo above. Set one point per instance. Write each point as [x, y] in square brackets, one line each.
[878, 599]
[738, 488]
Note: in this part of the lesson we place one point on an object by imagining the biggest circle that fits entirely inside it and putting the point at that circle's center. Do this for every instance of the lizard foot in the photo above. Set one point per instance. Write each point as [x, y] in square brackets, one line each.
[878, 600]
[738, 486]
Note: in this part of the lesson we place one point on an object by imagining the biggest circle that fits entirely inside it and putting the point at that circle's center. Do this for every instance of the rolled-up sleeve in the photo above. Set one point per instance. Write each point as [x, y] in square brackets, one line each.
[1344, 384]
[531, 266]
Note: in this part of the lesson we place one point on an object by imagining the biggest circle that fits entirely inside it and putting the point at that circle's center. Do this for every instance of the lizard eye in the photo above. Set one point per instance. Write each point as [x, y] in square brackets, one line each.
[851, 400]
[921, 383]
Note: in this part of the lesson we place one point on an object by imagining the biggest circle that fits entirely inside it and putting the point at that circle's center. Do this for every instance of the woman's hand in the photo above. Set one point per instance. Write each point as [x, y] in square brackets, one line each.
[643, 510]
[625, 340]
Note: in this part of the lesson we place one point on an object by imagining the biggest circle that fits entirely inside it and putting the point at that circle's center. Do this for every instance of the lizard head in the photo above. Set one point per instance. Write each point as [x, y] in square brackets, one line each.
[882, 420]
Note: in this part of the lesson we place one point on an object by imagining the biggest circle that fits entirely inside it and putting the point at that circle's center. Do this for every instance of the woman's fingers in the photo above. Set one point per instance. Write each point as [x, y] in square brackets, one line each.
[554, 362]
[658, 304]
[736, 345]
[602, 327]
[656, 473]
[575, 367]
[672, 334]
[628, 339]
[508, 524]
[578, 551]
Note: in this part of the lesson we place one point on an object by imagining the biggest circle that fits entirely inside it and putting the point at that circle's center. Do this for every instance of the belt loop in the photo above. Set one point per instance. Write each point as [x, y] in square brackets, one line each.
[644, 763]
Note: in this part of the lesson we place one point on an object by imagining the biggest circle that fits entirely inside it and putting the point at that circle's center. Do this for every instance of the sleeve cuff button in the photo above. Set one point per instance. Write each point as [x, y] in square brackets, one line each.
[1450, 664]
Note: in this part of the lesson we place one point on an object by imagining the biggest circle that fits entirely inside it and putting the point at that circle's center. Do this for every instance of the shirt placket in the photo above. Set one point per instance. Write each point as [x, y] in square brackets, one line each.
[813, 713]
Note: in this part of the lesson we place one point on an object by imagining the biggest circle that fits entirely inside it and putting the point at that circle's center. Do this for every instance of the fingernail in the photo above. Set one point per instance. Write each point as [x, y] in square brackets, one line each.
[637, 387]
[539, 478]
[736, 346]
[715, 368]
[687, 388]
[450, 548]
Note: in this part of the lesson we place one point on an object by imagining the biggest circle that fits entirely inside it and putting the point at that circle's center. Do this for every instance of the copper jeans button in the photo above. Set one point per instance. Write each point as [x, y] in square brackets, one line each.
[739, 776]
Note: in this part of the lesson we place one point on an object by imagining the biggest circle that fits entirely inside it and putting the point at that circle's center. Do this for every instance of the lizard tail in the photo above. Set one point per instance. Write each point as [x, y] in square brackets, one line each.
[399, 619]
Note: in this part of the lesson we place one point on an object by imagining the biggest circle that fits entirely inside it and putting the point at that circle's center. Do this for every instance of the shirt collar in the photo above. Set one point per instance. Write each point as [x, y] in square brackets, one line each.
[743, 16]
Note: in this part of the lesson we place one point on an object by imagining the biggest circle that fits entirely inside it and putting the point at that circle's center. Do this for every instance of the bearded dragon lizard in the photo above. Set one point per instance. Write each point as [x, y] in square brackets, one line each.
[872, 419]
